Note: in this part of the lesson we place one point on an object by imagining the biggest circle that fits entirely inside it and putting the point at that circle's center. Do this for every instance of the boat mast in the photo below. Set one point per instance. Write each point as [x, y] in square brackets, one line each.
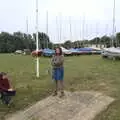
[46, 28]
[60, 22]
[96, 34]
[57, 30]
[112, 44]
[83, 29]
[27, 30]
[70, 28]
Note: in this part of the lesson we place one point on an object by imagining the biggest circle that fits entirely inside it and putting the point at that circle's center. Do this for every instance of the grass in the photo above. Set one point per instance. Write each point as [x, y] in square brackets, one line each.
[81, 73]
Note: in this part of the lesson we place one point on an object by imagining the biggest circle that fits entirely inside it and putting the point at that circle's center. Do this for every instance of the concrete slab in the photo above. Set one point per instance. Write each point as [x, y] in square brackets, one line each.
[74, 106]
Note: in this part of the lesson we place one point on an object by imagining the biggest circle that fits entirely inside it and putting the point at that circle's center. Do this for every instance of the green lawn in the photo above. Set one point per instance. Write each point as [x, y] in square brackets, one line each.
[81, 73]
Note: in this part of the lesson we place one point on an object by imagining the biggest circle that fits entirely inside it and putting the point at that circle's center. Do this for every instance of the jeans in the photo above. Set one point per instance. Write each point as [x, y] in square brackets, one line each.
[5, 97]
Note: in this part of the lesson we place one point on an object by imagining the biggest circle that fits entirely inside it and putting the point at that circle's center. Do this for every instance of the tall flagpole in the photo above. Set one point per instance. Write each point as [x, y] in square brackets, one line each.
[37, 44]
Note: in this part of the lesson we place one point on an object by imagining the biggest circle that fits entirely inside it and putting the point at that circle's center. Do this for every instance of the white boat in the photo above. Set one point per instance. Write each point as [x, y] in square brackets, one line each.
[111, 52]
[65, 51]
[18, 52]
[95, 48]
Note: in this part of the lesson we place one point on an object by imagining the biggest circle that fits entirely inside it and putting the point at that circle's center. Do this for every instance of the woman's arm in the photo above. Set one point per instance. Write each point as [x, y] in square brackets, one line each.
[9, 81]
[52, 61]
[60, 61]
[3, 88]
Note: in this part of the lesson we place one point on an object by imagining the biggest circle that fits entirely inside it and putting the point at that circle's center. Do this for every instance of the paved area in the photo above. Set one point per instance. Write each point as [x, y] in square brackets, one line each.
[73, 106]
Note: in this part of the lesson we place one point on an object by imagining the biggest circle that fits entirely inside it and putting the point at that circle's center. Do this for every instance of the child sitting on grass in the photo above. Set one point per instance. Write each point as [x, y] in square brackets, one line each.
[6, 89]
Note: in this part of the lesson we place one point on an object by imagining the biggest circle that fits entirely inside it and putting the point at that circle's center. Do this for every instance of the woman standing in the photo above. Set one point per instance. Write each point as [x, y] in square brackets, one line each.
[58, 71]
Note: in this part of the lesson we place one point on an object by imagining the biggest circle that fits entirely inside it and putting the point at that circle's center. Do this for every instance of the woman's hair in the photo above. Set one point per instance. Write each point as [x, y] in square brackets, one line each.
[59, 50]
[2, 74]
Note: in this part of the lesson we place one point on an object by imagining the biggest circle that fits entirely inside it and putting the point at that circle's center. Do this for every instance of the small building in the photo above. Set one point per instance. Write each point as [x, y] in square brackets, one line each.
[97, 45]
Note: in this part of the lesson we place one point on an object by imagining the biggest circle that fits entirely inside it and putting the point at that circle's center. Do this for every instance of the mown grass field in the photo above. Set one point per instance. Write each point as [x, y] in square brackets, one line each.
[81, 73]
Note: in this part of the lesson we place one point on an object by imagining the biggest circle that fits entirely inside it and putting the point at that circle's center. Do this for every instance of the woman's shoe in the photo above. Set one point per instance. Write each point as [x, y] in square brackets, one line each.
[55, 93]
[62, 94]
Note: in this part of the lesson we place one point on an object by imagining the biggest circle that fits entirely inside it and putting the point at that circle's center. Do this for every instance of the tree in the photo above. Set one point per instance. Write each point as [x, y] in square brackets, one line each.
[20, 41]
[44, 41]
[118, 39]
[68, 44]
[12, 42]
[106, 40]
[113, 41]
[26, 39]
[84, 43]
[95, 40]
[76, 44]
[6, 42]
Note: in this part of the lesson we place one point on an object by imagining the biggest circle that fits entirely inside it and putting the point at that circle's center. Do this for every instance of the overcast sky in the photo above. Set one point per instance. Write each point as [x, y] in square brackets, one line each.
[96, 14]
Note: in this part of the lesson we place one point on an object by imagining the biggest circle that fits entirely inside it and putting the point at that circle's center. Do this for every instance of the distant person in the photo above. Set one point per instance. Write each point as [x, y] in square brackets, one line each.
[58, 71]
[6, 89]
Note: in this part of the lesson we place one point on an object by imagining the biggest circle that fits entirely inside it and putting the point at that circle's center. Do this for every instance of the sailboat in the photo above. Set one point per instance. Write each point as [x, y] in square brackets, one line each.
[112, 52]
[66, 52]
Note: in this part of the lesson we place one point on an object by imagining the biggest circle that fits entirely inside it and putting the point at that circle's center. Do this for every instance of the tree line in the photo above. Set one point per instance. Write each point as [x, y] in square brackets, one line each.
[19, 41]
[106, 41]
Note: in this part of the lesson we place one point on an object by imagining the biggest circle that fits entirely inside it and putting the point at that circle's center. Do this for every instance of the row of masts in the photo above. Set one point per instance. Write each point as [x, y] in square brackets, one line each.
[59, 29]
[82, 33]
